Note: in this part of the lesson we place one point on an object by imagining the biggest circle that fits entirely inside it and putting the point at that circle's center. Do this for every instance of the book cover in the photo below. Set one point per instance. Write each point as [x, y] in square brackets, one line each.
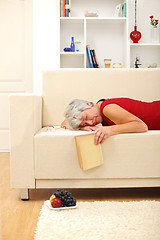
[89, 154]
[67, 8]
[124, 10]
[118, 10]
[95, 59]
[89, 56]
[63, 8]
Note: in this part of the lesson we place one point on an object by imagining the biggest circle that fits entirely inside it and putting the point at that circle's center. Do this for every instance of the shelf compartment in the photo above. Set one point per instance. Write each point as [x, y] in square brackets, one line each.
[70, 29]
[147, 54]
[108, 40]
[145, 44]
[109, 19]
[105, 8]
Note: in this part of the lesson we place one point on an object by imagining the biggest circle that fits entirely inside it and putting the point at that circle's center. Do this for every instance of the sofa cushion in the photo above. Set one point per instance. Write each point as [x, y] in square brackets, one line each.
[134, 155]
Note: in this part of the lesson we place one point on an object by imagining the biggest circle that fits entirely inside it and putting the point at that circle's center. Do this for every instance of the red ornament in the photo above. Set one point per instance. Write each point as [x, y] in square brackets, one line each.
[135, 35]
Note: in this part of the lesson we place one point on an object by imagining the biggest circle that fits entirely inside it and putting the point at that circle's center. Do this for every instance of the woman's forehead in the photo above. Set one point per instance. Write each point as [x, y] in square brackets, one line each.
[85, 112]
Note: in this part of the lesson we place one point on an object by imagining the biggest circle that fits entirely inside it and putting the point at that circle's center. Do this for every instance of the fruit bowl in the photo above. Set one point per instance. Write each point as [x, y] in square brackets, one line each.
[48, 204]
[61, 199]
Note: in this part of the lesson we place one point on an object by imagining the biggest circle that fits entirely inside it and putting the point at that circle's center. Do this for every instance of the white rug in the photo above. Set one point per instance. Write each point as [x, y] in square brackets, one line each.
[101, 220]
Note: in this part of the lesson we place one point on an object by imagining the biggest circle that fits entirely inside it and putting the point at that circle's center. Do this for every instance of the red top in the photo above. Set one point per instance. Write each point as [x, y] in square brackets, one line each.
[148, 112]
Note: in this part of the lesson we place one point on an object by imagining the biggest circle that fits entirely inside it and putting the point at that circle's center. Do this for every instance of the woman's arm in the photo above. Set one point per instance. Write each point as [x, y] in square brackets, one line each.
[125, 122]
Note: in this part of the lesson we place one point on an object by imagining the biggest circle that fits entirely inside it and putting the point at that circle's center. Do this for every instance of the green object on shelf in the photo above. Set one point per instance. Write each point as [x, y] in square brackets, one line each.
[125, 9]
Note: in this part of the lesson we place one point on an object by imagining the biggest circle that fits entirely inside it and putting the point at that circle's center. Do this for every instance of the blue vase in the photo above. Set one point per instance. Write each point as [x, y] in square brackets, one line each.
[72, 45]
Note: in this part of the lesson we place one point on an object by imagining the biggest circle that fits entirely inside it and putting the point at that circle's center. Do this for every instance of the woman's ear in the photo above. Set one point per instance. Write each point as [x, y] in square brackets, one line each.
[89, 104]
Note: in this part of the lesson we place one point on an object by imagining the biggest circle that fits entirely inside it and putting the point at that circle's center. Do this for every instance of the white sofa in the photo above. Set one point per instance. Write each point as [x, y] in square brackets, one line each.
[44, 156]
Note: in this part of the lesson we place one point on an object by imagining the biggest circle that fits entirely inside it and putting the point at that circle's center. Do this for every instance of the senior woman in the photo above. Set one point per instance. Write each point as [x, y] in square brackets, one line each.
[117, 115]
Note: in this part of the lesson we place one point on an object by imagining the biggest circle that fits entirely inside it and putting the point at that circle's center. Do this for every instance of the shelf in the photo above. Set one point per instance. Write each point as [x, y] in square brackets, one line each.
[109, 19]
[71, 53]
[145, 44]
[71, 18]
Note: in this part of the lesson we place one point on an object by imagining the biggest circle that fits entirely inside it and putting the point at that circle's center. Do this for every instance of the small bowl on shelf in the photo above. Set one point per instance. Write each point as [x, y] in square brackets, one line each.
[67, 49]
[91, 13]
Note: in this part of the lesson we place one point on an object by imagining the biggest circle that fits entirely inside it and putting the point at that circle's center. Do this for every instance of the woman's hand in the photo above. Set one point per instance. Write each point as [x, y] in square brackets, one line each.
[89, 128]
[101, 134]
[63, 124]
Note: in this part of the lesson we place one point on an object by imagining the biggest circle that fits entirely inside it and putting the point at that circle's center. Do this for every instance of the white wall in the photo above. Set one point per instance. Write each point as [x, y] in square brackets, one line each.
[45, 38]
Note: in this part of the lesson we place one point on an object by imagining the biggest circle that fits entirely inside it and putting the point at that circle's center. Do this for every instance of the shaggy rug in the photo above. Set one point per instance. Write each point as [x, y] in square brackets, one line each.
[101, 220]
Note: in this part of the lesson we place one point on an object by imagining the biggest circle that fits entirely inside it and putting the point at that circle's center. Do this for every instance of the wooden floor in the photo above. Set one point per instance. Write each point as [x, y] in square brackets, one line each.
[18, 218]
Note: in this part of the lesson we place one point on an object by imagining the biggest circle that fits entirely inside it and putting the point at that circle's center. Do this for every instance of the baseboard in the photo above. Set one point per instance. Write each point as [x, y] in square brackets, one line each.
[4, 150]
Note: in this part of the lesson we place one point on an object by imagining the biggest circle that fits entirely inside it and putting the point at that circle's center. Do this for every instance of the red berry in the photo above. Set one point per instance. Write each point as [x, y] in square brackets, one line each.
[56, 202]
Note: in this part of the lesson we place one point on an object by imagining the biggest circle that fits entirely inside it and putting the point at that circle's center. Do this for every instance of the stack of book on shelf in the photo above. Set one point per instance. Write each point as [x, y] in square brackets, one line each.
[92, 57]
[89, 154]
[65, 8]
[120, 10]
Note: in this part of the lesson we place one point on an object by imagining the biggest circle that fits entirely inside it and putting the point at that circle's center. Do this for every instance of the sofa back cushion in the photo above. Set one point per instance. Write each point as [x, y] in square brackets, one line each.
[63, 85]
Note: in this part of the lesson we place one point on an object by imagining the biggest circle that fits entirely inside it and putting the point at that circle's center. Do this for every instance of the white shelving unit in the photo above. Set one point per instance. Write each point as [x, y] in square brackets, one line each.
[106, 34]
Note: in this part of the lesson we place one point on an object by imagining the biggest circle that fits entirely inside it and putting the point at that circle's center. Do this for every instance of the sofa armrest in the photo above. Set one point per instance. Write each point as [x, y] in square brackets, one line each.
[25, 121]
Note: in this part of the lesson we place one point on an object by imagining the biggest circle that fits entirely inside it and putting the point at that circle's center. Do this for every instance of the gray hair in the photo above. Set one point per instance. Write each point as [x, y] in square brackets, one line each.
[73, 113]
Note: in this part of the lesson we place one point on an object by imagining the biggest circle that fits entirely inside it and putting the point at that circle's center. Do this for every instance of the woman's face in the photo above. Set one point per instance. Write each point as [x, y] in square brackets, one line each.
[91, 117]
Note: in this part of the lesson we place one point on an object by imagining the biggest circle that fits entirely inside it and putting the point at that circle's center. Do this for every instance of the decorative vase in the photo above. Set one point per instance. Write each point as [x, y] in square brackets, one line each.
[72, 45]
[135, 35]
[154, 35]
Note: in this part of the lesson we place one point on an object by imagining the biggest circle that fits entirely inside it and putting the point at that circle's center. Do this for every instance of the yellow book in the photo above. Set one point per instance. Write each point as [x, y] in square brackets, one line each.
[89, 154]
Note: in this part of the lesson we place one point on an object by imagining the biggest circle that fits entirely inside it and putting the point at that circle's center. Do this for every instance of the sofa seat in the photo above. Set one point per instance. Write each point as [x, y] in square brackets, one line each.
[134, 155]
